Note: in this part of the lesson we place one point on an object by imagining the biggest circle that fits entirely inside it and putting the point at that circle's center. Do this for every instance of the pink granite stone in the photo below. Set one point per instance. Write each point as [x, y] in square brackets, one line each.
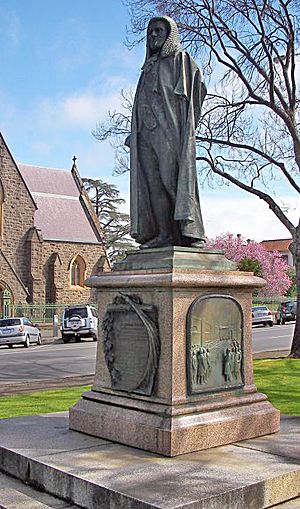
[171, 421]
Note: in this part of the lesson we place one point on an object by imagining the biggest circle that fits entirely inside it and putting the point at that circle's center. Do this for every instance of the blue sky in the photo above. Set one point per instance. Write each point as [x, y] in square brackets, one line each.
[63, 64]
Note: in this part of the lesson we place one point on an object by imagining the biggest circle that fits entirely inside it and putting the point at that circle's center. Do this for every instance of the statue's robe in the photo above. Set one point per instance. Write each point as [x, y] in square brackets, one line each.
[177, 98]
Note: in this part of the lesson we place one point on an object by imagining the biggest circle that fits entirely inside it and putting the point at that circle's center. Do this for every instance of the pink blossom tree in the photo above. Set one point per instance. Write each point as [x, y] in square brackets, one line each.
[273, 268]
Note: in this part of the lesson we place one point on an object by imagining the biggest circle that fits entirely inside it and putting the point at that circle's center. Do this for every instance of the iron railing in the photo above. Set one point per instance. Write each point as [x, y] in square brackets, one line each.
[271, 302]
[38, 313]
[43, 313]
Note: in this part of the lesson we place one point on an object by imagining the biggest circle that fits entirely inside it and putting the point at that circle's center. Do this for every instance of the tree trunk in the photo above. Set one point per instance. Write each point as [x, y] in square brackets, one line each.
[295, 349]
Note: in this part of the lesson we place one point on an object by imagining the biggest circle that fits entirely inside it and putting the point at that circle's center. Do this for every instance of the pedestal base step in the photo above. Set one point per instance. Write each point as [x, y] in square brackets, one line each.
[97, 474]
[174, 435]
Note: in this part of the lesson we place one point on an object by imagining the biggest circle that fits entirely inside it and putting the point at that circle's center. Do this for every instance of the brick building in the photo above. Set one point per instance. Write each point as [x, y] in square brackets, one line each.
[50, 237]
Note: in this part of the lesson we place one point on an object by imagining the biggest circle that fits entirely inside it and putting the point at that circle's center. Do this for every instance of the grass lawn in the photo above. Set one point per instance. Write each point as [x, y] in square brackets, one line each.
[40, 402]
[278, 378]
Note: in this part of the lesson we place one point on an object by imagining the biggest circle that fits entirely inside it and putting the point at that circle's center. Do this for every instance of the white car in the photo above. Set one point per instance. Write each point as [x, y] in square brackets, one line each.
[79, 322]
[261, 315]
[18, 331]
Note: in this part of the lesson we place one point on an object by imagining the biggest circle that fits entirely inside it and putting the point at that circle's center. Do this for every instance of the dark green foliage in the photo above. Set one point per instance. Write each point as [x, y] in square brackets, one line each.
[250, 265]
[292, 291]
[106, 201]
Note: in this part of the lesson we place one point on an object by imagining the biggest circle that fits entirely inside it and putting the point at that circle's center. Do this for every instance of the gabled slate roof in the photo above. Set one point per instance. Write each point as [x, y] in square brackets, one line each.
[60, 215]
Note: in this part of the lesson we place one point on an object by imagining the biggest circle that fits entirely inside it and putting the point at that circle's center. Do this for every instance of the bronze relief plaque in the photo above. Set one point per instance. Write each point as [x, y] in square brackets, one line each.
[214, 344]
[131, 344]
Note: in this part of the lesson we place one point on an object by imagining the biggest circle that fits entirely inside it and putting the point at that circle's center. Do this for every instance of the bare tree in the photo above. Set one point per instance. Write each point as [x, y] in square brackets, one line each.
[116, 128]
[249, 132]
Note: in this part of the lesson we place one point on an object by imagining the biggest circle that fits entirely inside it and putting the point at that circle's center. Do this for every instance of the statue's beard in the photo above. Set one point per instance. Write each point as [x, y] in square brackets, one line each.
[156, 45]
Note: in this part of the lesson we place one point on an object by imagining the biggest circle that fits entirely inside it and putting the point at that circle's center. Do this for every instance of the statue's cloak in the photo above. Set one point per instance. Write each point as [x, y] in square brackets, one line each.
[181, 91]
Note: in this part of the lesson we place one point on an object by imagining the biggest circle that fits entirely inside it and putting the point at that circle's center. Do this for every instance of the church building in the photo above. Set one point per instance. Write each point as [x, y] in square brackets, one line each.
[50, 236]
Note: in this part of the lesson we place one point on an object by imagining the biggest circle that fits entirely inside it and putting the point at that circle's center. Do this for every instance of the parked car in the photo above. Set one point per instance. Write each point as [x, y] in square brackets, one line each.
[261, 315]
[19, 331]
[79, 322]
[286, 312]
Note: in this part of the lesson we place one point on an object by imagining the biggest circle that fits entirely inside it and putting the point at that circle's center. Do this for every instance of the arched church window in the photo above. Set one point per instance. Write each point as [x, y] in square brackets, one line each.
[77, 271]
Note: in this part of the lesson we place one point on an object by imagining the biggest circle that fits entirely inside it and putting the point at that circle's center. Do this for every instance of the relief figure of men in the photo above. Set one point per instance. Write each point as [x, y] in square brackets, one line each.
[164, 198]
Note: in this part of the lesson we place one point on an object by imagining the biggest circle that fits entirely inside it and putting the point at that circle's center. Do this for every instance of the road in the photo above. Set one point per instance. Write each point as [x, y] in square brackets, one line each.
[278, 337]
[47, 361]
[58, 361]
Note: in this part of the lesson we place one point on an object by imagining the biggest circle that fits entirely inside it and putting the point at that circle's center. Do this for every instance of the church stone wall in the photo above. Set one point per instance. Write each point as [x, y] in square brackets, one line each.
[9, 281]
[18, 215]
[54, 285]
[42, 265]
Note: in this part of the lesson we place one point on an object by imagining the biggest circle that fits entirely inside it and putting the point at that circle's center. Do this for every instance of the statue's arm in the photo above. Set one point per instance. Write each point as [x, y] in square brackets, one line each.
[199, 94]
[190, 83]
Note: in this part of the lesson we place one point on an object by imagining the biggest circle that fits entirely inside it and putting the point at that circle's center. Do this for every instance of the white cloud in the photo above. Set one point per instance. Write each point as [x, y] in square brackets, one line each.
[58, 128]
[246, 215]
[85, 110]
[129, 62]
[125, 208]
[80, 110]
[95, 160]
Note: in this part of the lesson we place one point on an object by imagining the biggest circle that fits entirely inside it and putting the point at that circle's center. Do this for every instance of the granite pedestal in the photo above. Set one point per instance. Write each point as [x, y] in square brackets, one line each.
[183, 408]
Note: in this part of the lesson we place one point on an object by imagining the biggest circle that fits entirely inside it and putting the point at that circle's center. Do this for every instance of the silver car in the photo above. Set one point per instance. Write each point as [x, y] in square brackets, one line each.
[18, 331]
[261, 315]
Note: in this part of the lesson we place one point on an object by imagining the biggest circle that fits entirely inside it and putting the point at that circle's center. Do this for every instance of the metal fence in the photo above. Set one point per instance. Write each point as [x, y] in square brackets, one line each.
[38, 313]
[43, 313]
[271, 302]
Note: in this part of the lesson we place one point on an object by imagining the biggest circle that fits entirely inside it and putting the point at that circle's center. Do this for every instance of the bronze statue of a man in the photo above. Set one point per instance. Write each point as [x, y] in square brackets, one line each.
[164, 199]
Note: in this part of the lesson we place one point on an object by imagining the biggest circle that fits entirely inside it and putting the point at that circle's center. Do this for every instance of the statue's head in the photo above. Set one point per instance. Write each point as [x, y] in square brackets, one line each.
[162, 36]
[157, 33]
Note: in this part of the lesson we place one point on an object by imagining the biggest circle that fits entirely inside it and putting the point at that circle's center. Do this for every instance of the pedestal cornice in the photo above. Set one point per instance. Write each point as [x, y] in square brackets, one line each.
[185, 278]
